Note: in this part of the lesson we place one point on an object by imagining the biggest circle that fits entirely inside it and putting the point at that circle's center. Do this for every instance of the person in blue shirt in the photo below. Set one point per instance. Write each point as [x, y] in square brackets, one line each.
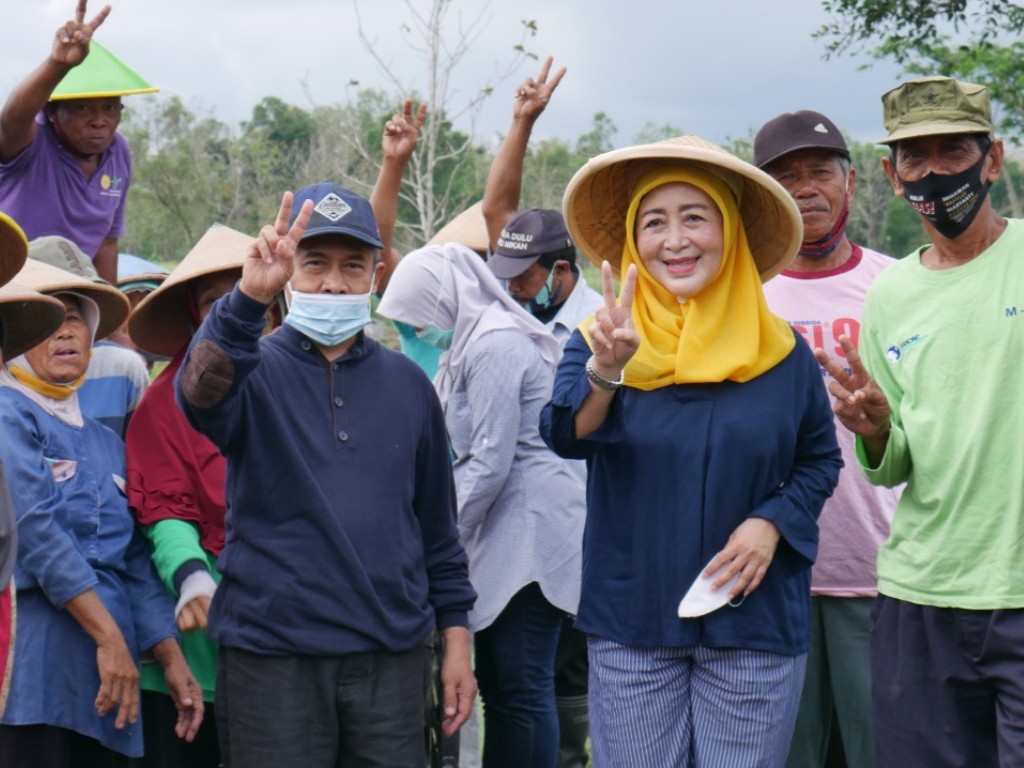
[89, 602]
[711, 450]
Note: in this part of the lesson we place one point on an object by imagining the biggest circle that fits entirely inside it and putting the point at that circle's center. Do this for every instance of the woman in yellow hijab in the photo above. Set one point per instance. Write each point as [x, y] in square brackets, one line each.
[711, 450]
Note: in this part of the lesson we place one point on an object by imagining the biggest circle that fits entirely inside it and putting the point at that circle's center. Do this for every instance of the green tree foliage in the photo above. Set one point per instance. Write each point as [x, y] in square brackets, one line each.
[910, 25]
[599, 138]
[186, 176]
[914, 33]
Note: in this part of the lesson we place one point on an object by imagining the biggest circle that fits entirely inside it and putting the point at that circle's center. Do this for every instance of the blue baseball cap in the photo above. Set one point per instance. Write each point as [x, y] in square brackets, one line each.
[337, 210]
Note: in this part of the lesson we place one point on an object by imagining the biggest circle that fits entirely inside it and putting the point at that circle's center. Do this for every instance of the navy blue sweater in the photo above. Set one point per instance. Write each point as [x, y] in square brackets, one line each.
[341, 532]
[673, 472]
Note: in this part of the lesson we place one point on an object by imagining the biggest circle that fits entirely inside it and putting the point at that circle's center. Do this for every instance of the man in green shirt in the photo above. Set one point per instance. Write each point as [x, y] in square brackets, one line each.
[937, 403]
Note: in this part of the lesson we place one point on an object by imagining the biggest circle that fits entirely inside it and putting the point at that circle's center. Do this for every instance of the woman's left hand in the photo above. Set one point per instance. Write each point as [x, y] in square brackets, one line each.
[184, 689]
[749, 552]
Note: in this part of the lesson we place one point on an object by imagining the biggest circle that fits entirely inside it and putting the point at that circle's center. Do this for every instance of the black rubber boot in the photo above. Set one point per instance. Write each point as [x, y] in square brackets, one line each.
[574, 728]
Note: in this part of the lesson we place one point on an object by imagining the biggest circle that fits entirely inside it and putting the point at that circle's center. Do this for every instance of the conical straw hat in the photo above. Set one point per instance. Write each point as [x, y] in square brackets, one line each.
[160, 323]
[469, 228]
[101, 75]
[13, 248]
[48, 279]
[598, 196]
[28, 317]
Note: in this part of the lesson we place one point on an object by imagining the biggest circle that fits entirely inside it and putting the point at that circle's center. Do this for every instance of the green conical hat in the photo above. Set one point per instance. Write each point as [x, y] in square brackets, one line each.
[101, 75]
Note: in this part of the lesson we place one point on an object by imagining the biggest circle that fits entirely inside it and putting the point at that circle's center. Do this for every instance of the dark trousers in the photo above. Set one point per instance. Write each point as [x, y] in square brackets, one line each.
[48, 746]
[163, 747]
[515, 669]
[359, 709]
[947, 686]
[571, 668]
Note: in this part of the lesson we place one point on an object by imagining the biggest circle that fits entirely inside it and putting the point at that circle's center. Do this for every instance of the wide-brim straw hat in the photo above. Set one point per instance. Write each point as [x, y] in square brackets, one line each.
[161, 323]
[598, 196]
[29, 318]
[113, 304]
[13, 248]
[469, 228]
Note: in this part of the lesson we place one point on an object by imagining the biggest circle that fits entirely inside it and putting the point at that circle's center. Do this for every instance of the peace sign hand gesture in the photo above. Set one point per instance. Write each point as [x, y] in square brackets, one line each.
[71, 43]
[271, 258]
[613, 339]
[402, 131]
[533, 95]
[859, 402]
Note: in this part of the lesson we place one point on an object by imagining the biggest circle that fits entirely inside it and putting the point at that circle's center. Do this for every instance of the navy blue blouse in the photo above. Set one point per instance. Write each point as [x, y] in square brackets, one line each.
[672, 473]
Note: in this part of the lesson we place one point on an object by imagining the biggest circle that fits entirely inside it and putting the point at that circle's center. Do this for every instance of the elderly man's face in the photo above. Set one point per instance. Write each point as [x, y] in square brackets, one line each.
[64, 356]
[819, 184]
[87, 126]
[943, 155]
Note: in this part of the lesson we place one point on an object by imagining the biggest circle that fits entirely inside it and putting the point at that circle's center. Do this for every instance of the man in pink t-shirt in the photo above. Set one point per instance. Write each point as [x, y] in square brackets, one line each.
[822, 295]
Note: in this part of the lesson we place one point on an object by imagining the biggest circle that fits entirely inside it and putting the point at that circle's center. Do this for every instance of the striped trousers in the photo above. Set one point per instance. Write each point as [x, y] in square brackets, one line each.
[694, 707]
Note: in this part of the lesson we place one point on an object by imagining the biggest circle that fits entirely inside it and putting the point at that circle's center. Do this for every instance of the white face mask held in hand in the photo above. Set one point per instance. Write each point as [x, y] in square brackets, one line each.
[701, 599]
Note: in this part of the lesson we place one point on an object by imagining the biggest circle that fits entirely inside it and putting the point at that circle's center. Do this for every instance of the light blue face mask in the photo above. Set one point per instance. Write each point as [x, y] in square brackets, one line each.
[436, 337]
[545, 298]
[329, 318]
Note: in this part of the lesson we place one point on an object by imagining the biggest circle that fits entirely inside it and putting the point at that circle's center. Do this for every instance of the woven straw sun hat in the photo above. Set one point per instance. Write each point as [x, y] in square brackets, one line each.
[598, 196]
[161, 323]
[28, 318]
[13, 248]
[46, 278]
[469, 228]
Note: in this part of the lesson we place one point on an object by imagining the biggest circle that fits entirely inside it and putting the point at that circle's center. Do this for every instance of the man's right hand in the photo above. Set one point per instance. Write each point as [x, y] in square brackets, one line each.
[71, 43]
[271, 258]
[859, 402]
[533, 95]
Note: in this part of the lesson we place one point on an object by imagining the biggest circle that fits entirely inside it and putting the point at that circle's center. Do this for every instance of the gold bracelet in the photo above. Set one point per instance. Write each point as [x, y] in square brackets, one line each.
[600, 381]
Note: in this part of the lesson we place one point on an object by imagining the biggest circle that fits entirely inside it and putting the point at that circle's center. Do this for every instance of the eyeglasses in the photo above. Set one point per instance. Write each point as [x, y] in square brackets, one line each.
[87, 109]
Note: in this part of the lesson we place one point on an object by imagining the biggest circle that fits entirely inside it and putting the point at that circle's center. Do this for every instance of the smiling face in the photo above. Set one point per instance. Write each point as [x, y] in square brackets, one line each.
[678, 235]
[64, 356]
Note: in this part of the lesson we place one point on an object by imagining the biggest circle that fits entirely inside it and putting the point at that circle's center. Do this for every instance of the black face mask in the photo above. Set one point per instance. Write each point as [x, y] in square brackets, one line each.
[950, 203]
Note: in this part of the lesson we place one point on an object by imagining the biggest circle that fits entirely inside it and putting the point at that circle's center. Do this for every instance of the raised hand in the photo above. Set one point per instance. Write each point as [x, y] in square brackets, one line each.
[271, 258]
[613, 339]
[860, 403]
[71, 43]
[533, 95]
[402, 132]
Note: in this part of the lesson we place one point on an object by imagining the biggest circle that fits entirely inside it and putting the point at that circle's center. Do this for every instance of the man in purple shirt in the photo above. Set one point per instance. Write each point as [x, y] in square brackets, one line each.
[64, 169]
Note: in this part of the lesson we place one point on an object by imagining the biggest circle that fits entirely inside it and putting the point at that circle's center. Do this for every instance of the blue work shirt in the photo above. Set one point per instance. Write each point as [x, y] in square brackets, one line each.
[75, 532]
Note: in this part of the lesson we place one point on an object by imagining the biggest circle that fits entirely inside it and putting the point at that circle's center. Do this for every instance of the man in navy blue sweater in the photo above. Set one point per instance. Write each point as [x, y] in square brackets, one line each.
[342, 554]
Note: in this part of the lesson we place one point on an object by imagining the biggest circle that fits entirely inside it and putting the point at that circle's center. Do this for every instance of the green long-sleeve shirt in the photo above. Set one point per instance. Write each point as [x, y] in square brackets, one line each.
[175, 542]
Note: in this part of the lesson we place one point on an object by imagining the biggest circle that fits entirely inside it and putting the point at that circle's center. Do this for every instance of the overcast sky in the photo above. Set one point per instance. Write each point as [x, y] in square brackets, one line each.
[717, 68]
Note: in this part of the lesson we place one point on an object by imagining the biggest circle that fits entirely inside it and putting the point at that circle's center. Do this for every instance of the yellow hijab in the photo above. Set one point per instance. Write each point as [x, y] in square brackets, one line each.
[726, 332]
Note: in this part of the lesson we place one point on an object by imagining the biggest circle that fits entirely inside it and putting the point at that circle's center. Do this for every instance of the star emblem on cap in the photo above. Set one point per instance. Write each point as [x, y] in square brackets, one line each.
[930, 98]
